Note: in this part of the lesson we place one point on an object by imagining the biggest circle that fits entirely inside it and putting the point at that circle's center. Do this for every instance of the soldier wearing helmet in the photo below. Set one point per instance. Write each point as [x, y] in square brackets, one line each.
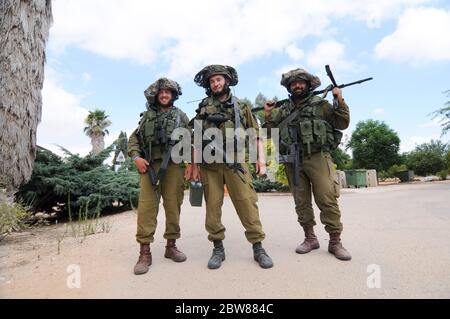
[317, 123]
[152, 139]
[217, 79]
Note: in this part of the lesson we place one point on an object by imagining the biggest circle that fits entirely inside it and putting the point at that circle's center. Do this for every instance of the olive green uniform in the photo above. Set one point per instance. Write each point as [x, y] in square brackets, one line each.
[214, 176]
[318, 121]
[171, 187]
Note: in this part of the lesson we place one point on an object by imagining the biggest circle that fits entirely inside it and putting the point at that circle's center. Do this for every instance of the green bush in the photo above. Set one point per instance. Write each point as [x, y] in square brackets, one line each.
[263, 184]
[13, 217]
[280, 176]
[394, 170]
[82, 181]
[428, 158]
[443, 174]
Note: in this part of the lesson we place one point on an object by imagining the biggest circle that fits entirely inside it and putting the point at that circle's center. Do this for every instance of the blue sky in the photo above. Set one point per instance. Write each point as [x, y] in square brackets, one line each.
[103, 54]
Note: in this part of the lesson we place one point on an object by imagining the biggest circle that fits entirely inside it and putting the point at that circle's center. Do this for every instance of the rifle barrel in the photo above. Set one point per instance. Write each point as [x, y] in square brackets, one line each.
[256, 109]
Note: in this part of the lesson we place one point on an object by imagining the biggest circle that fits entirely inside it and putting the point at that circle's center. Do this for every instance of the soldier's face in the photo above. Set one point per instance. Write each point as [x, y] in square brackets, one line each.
[217, 83]
[299, 88]
[164, 97]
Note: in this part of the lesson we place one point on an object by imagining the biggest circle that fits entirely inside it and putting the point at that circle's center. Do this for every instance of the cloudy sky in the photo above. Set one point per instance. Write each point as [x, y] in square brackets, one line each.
[104, 53]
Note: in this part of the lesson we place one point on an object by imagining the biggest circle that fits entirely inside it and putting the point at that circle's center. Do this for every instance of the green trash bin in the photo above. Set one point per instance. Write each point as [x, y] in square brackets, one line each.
[356, 178]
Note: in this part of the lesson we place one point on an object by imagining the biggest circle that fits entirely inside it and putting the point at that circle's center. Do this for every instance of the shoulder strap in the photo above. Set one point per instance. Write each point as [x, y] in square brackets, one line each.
[237, 118]
[289, 118]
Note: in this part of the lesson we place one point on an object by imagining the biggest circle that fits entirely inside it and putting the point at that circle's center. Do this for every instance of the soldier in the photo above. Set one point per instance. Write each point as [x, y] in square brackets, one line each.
[217, 79]
[315, 123]
[149, 147]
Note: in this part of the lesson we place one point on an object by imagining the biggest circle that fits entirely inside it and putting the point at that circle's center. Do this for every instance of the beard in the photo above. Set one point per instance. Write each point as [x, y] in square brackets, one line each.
[300, 94]
[224, 91]
[167, 104]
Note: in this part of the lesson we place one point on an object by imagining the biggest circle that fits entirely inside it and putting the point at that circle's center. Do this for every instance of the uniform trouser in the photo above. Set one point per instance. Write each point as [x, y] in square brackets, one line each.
[171, 189]
[214, 177]
[317, 176]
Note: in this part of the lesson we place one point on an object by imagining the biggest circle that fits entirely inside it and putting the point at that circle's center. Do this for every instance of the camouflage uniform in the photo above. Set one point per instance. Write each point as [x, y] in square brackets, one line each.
[318, 124]
[171, 187]
[215, 175]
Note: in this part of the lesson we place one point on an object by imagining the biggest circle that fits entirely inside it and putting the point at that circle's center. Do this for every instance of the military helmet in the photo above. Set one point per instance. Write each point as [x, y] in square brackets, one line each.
[202, 77]
[299, 74]
[162, 84]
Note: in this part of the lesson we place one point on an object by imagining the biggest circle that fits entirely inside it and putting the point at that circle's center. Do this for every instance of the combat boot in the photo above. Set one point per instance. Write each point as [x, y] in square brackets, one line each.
[218, 255]
[335, 247]
[309, 243]
[260, 256]
[173, 253]
[144, 261]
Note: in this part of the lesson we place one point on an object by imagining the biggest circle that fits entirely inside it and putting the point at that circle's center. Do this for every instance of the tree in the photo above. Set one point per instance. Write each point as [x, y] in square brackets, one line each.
[121, 145]
[428, 158]
[24, 30]
[341, 159]
[374, 146]
[260, 100]
[445, 113]
[81, 183]
[97, 121]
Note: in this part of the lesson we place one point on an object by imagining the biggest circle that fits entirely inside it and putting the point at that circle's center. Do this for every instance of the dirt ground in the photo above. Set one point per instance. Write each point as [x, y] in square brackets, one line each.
[399, 236]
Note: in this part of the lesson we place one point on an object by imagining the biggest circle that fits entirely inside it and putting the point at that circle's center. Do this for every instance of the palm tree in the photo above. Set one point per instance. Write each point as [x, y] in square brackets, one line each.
[97, 122]
[24, 29]
[444, 113]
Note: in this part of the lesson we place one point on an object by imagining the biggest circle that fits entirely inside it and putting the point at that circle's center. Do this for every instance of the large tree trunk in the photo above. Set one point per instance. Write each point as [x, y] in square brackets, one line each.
[24, 28]
[98, 143]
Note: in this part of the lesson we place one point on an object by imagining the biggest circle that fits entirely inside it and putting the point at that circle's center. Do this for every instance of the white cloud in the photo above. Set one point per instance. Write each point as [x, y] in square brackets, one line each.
[86, 77]
[62, 118]
[294, 53]
[375, 12]
[379, 111]
[422, 35]
[189, 34]
[434, 123]
[413, 141]
[330, 52]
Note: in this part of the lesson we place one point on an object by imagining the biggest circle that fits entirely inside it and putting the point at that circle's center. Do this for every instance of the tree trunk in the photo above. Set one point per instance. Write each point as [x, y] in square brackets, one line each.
[98, 143]
[24, 28]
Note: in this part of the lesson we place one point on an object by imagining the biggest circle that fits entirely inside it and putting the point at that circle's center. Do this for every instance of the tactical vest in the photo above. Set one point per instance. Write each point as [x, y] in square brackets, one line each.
[316, 134]
[210, 106]
[152, 121]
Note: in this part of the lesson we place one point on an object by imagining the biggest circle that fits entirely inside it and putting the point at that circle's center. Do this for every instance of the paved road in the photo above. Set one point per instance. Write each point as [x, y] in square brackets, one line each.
[399, 237]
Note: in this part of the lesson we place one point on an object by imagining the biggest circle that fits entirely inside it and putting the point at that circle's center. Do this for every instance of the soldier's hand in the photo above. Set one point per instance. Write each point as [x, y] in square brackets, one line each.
[261, 168]
[268, 107]
[141, 165]
[188, 172]
[337, 93]
[195, 172]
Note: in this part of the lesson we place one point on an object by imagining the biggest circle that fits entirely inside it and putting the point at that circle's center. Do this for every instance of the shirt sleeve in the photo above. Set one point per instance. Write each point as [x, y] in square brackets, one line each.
[273, 119]
[133, 145]
[339, 118]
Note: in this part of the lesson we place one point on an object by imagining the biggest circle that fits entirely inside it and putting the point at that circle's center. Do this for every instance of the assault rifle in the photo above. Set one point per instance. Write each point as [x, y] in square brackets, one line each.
[324, 91]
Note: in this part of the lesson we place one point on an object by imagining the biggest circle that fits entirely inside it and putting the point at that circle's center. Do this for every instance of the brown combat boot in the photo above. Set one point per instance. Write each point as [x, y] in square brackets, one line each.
[335, 247]
[309, 243]
[173, 253]
[144, 261]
